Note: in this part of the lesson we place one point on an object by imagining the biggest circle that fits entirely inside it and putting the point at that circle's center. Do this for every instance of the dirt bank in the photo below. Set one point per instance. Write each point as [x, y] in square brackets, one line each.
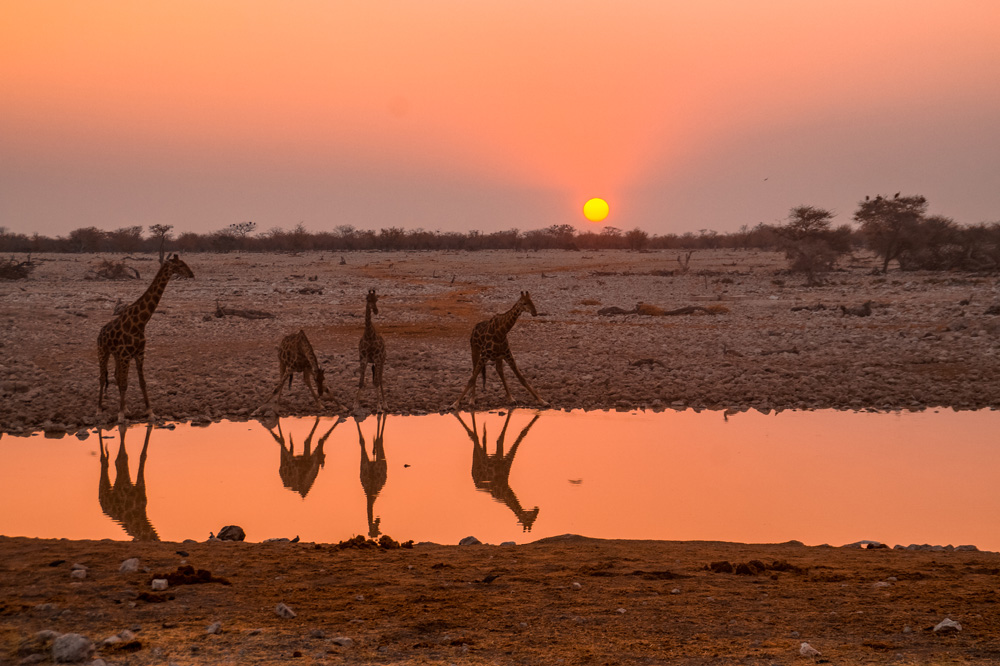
[566, 600]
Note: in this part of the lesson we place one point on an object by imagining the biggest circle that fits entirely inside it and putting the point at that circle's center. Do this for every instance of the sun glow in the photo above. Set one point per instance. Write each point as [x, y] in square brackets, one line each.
[595, 210]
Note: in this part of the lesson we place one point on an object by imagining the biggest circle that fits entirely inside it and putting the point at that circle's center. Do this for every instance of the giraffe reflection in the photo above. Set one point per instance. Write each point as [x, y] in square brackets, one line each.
[298, 472]
[491, 473]
[373, 471]
[125, 502]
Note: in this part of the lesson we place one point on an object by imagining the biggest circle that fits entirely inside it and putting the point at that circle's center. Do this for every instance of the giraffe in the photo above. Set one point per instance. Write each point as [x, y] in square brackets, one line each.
[371, 349]
[373, 471]
[295, 354]
[491, 473]
[489, 343]
[299, 472]
[124, 337]
[124, 502]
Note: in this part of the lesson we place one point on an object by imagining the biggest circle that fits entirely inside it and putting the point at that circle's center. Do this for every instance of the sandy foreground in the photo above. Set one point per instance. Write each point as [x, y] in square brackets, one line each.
[567, 600]
[772, 343]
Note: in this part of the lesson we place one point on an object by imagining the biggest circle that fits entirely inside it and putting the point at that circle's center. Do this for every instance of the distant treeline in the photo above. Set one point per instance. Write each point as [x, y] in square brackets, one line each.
[895, 228]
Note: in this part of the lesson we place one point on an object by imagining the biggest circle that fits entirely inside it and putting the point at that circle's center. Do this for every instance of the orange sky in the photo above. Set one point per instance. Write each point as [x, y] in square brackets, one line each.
[455, 115]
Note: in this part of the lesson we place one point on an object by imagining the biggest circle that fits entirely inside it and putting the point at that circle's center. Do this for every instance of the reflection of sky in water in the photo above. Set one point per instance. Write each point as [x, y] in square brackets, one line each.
[819, 477]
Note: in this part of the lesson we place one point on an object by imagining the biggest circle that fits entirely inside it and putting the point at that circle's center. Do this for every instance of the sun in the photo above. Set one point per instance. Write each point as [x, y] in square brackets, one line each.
[595, 210]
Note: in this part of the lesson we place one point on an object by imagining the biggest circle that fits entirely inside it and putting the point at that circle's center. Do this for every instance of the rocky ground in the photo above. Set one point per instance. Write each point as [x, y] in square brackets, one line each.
[757, 337]
[567, 600]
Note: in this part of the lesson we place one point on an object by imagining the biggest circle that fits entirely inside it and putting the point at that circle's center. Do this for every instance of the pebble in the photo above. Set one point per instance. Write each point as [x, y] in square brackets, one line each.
[214, 628]
[807, 650]
[71, 648]
[78, 574]
[577, 586]
[948, 625]
[159, 584]
[284, 611]
[130, 565]
[343, 641]
[470, 541]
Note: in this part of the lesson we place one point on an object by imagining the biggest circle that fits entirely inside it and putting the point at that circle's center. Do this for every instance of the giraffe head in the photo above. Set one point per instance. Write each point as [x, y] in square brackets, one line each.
[372, 300]
[526, 304]
[175, 266]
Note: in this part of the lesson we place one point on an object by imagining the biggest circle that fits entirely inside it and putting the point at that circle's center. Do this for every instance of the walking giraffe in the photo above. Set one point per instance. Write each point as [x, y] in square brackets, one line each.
[489, 344]
[295, 354]
[124, 337]
[371, 349]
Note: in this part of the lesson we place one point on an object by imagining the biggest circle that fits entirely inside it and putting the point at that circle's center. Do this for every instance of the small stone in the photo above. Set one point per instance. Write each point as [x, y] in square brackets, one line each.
[947, 625]
[232, 533]
[882, 583]
[470, 541]
[807, 650]
[317, 633]
[676, 590]
[130, 565]
[577, 586]
[78, 574]
[159, 584]
[343, 641]
[71, 648]
[621, 611]
[907, 629]
[284, 611]
[214, 628]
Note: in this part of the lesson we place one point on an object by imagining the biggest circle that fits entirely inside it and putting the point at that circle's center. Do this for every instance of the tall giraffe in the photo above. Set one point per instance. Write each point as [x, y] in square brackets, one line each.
[299, 472]
[371, 349]
[374, 471]
[489, 344]
[125, 502]
[124, 337]
[491, 473]
[295, 354]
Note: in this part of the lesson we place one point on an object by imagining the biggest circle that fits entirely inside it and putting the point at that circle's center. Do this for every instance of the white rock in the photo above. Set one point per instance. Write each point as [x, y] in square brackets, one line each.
[71, 648]
[577, 586]
[343, 641]
[78, 574]
[807, 650]
[159, 584]
[214, 628]
[130, 565]
[284, 611]
[948, 625]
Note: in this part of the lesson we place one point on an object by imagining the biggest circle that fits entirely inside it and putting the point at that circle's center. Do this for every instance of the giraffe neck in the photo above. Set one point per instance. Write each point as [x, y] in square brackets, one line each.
[146, 304]
[306, 349]
[369, 327]
[506, 320]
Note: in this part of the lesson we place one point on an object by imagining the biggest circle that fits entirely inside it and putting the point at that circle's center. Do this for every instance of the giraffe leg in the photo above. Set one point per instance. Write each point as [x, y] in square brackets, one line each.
[103, 353]
[142, 385]
[121, 378]
[380, 386]
[471, 386]
[307, 378]
[361, 385]
[513, 366]
[503, 380]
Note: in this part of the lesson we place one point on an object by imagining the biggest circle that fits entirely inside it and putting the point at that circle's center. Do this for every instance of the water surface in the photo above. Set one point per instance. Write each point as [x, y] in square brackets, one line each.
[819, 477]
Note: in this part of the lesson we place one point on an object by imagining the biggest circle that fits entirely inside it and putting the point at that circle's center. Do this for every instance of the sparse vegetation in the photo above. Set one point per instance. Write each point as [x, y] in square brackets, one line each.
[11, 269]
[896, 228]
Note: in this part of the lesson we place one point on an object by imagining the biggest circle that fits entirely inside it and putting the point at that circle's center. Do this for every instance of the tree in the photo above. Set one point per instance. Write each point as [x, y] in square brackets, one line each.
[636, 239]
[86, 239]
[888, 223]
[810, 245]
[160, 232]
